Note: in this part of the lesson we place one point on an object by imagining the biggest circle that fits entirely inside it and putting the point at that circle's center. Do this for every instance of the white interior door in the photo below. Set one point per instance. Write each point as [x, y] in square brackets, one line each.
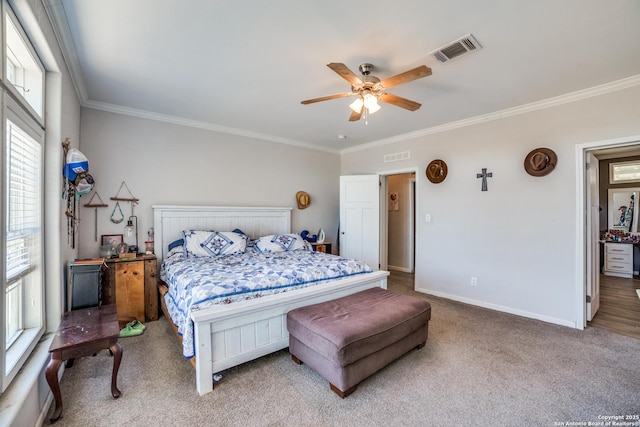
[360, 218]
[593, 238]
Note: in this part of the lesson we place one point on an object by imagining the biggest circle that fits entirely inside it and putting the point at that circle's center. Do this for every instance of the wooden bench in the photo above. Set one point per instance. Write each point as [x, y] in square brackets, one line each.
[348, 339]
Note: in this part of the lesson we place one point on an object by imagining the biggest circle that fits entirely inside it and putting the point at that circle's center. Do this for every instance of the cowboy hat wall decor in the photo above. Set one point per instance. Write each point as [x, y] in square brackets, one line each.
[436, 171]
[303, 199]
[540, 162]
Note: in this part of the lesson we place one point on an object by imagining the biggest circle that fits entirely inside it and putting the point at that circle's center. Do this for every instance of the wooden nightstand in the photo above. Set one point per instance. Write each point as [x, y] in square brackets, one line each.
[131, 286]
[322, 247]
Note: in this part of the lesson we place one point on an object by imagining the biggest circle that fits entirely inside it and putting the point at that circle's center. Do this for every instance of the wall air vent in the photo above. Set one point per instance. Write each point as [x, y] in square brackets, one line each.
[462, 46]
[405, 155]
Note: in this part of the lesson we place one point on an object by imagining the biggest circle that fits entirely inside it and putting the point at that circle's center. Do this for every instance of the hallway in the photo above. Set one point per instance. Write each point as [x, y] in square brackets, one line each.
[619, 310]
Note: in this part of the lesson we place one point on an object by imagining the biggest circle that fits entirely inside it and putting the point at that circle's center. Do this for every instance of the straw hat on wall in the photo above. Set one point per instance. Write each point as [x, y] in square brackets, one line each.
[303, 199]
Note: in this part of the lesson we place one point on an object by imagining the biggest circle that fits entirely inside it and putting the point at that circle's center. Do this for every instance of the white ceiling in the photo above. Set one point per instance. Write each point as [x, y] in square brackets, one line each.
[243, 66]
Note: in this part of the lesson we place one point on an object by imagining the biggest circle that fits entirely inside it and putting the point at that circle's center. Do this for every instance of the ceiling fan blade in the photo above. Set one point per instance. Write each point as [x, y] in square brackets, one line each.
[326, 98]
[407, 76]
[356, 116]
[345, 73]
[399, 101]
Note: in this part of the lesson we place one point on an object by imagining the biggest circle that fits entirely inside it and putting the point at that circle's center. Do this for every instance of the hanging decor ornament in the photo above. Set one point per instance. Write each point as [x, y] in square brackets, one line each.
[131, 228]
[540, 162]
[132, 199]
[436, 171]
[90, 204]
[115, 219]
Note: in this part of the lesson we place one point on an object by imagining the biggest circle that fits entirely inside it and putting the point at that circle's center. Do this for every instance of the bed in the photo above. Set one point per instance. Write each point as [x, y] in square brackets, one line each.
[226, 335]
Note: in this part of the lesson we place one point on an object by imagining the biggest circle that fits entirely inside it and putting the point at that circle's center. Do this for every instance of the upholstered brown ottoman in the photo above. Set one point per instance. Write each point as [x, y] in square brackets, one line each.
[348, 339]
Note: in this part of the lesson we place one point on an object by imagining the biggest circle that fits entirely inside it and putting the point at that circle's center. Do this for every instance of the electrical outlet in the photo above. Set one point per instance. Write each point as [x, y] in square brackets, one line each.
[474, 281]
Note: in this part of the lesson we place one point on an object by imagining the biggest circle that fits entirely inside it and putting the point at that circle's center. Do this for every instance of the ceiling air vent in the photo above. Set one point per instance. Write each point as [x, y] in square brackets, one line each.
[462, 46]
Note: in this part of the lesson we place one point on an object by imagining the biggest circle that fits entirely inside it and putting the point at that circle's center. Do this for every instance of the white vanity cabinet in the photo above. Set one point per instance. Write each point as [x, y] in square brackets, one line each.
[618, 259]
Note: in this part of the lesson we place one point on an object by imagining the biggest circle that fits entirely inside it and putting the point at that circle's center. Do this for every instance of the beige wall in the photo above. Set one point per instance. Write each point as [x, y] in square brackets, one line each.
[171, 164]
[518, 238]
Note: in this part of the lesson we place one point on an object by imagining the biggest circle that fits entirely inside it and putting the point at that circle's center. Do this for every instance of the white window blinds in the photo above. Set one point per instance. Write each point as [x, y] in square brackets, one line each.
[23, 229]
[23, 202]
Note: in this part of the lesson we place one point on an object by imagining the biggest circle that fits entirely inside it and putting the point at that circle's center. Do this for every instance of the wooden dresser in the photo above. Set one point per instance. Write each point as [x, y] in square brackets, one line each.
[131, 286]
[618, 259]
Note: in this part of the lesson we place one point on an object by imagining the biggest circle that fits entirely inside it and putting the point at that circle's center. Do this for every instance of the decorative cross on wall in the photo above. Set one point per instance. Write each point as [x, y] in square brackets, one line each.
[484, 175]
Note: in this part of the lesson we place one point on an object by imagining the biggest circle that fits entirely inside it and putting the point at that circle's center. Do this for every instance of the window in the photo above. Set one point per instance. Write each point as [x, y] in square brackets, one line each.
[622, 172]
[22, 169]
[24, 73]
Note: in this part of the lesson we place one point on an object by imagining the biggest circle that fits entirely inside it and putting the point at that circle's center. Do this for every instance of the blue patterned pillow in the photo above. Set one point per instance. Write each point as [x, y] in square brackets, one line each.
[281, 243]
[175, 252]
[175, 244]
[250, 241]
[199, 243]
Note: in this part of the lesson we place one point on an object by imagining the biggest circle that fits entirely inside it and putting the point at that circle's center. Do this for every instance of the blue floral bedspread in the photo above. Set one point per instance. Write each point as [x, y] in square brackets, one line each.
[200, 282]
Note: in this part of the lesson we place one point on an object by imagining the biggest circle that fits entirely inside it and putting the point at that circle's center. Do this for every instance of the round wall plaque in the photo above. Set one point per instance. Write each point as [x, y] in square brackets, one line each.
[436, 171]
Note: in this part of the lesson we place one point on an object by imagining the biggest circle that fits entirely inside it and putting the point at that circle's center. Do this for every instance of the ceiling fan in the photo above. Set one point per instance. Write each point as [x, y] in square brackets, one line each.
[370, 89]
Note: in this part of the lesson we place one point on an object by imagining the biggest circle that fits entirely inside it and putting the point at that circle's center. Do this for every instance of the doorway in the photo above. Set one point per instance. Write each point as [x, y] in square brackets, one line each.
[619, 310]
[620, 147]
[398, 224]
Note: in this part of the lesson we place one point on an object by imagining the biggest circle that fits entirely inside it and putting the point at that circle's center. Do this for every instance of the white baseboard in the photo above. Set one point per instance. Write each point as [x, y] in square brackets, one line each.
[396, 268]
[504, 309]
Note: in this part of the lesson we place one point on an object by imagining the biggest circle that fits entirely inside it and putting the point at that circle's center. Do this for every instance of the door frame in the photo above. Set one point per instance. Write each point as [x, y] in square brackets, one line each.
[384, 218]
[581, 151]
[593, 236]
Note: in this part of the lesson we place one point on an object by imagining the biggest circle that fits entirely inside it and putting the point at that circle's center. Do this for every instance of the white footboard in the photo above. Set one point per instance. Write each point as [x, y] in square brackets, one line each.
[226, 336]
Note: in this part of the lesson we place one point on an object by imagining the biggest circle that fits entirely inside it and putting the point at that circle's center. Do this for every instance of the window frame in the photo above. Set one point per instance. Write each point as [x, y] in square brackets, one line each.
[16, 108]
[15, 356]
[7, 13]
[612, 172]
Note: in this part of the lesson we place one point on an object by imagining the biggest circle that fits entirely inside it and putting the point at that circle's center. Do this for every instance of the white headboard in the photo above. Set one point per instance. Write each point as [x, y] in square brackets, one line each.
[170, 220]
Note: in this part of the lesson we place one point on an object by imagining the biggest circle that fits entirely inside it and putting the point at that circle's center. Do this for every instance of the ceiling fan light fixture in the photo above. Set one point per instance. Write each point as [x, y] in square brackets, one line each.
[371, 102]
[370, 89]
[356, 105]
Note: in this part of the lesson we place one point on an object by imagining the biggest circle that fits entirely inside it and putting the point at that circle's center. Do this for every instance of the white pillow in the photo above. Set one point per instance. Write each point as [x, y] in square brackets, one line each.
[199, 243]
[281, 243]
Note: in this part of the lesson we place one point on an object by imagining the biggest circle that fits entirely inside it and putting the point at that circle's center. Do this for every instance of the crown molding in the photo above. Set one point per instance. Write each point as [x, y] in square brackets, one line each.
[509, 112]
[58, 17]
[201, 125]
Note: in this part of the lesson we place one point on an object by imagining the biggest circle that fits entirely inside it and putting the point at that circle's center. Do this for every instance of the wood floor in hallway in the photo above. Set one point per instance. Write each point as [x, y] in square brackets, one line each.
[619, 310]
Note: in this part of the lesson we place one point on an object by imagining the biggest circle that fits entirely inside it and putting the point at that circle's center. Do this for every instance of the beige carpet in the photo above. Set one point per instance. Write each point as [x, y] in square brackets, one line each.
[479, 368]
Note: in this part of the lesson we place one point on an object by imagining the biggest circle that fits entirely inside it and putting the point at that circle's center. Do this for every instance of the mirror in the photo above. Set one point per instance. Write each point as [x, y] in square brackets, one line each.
[622, 212]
